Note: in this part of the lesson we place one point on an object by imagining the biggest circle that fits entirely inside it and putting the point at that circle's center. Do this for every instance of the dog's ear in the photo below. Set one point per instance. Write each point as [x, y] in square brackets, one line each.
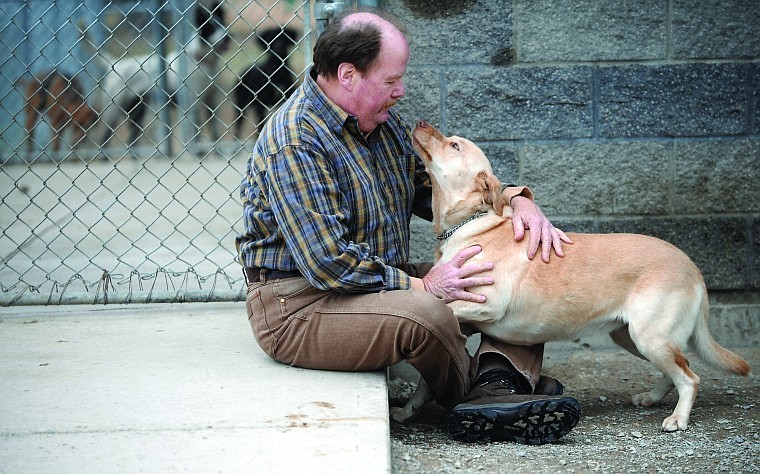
[491, 187]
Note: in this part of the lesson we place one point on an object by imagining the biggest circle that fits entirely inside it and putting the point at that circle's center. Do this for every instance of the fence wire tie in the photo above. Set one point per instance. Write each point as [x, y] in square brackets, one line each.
[213, 285]
[230, 281]
[199, 279]
[167, 280]
[8, 289]
[191, 271]
[76, 276]
[53, 289]
[129, 285]
[105, 280]
[29, 288]
[117, 279]
[139, 281]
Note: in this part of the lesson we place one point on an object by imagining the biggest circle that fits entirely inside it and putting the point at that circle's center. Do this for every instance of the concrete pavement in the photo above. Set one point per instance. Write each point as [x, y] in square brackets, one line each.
[174, 387]
[183, 387]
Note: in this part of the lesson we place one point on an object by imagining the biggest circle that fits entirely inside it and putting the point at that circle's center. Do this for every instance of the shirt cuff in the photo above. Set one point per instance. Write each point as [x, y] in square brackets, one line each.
[509, 192]
[396, 279]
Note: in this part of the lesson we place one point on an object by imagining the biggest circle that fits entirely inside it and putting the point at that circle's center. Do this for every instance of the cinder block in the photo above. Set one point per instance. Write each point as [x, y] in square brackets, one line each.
[581, 179]
[504, 161]
[686, 100]
[735, 298]
[736, 325]
[718, 245]
[423, 96]
[422, 242]
[583, 226]
[704, 30]
[755, 98]
[490, 103]
[716, 176]
[447, 32]
[755, 252]
[579, 30]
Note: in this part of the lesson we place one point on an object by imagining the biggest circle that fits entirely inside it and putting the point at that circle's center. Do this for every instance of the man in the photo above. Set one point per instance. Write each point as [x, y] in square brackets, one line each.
[327, 197]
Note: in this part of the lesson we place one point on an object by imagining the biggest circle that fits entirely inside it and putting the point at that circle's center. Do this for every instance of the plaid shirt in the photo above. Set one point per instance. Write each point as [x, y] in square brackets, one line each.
[320, 198]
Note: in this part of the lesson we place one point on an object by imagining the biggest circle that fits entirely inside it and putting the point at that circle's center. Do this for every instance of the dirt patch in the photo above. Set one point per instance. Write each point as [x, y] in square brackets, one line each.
[613, 435]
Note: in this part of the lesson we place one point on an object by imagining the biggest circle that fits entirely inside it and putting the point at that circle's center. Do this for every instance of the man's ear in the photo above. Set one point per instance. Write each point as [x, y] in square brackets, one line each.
[346, 75]
[491, 187]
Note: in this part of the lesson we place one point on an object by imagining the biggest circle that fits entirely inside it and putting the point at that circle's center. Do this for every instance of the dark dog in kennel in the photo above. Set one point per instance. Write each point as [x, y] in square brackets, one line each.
[129, 80]
[269, 81]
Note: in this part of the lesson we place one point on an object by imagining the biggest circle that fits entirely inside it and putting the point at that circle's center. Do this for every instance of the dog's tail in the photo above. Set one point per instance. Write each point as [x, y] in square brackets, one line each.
[710, 351]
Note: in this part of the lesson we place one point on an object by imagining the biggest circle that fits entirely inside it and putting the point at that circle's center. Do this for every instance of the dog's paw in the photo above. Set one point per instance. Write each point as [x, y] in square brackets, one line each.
[421, 395]
[675, 423]
[400, 414]
[645, 400]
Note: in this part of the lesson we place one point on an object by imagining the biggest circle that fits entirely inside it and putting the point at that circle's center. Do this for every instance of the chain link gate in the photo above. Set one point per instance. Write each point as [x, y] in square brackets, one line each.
[124, 131]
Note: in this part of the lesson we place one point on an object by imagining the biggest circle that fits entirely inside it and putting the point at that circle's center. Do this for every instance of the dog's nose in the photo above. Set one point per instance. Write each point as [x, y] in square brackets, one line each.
[422, 124]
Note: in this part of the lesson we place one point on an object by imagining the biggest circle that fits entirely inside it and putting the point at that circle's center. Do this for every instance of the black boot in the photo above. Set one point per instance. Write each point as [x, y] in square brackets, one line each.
[548, 386]
[500, 407]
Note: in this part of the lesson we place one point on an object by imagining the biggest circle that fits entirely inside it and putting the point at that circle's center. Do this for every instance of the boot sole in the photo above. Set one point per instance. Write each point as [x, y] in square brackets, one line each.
[532, 422]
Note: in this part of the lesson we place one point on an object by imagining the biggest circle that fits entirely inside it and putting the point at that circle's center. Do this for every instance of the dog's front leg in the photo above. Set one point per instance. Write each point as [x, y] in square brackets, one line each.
[422, 395]
[33, 106]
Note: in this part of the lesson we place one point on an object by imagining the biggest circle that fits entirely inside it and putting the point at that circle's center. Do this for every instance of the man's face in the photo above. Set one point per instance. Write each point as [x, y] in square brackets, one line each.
[382, 85]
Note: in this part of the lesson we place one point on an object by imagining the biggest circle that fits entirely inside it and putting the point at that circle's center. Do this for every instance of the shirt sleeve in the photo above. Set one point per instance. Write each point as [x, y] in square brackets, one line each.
[509, 191]
[423, 195]
[306, 202]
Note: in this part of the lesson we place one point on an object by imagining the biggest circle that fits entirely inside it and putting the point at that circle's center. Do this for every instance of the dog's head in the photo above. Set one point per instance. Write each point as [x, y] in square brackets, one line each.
[278, 40]
[212, 27]
[462, 178]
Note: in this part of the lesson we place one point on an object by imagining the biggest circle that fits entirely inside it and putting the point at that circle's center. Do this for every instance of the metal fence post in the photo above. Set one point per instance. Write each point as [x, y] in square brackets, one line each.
[160, 93]
[326, 11]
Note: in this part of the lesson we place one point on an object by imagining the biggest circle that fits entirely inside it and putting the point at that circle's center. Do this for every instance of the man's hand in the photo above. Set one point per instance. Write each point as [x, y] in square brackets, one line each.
[450, 280]
[527, 215]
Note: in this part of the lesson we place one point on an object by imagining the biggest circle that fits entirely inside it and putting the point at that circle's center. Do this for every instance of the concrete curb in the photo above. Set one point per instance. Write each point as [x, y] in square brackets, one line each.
[175, 387]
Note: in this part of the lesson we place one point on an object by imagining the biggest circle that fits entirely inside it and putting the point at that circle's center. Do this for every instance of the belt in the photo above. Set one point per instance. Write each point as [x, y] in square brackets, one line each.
[253, 274]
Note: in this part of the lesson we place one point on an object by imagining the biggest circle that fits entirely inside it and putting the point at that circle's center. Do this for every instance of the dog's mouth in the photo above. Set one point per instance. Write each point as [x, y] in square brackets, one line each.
[422, 135]
[426, 158]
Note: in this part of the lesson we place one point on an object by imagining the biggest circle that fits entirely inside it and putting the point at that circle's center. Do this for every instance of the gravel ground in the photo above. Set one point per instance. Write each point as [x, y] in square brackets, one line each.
[613, 435]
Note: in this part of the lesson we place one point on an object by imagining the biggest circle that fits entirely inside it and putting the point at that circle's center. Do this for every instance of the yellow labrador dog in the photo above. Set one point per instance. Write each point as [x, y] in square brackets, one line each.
[647, 294]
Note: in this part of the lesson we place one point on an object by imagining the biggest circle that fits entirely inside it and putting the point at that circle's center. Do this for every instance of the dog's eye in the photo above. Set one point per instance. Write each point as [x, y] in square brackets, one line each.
[455, 146]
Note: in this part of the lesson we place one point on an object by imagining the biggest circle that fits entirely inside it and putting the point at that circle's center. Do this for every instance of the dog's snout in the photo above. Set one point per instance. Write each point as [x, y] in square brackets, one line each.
[422, 124]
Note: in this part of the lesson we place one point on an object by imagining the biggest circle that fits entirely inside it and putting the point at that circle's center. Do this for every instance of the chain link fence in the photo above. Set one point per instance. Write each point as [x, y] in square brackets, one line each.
[124, 131]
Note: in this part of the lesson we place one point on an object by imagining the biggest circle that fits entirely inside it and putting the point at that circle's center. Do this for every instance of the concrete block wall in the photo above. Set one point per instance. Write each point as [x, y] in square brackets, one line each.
[621, 116]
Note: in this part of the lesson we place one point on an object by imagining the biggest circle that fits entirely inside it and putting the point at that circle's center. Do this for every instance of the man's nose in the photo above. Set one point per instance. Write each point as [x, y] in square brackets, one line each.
[400, 90]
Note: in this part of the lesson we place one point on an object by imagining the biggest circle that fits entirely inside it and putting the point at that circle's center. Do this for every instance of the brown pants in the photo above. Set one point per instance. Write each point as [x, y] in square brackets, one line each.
[298, 324]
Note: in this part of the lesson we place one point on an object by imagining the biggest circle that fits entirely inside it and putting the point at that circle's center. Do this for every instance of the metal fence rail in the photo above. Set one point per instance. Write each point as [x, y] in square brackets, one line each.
[123, 141]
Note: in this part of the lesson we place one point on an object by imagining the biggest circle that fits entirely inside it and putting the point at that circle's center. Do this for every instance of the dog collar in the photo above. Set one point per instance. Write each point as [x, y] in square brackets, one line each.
[448, 233]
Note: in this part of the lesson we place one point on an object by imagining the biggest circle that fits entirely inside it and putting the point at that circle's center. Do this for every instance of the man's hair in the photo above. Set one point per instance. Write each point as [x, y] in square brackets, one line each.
[355, 42]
